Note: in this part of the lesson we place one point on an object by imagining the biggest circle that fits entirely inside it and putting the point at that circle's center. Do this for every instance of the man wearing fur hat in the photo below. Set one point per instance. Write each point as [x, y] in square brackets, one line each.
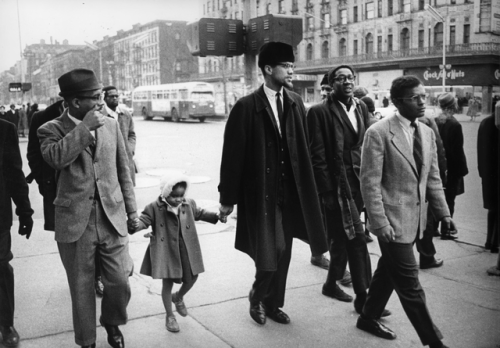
[266, 169]
[94, 197]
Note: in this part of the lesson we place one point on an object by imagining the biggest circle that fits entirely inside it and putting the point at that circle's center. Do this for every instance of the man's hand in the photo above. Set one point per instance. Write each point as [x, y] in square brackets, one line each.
[225, 210]
[385, 234]
[25, 226]
[327, 200]
[448, 225]
[94, 118]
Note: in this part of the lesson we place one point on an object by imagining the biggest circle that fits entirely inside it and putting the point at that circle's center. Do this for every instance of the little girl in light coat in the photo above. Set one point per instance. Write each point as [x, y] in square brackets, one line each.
[174, 253]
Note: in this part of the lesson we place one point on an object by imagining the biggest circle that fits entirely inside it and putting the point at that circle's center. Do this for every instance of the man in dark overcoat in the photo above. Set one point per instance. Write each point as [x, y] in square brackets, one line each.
[266, 169]
[13, 187]
[337, 128]
[12, 116]
[41, 171]
[95, 196]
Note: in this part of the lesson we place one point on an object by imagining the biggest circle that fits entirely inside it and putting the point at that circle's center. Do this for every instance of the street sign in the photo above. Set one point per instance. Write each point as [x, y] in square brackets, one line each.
[15, 87]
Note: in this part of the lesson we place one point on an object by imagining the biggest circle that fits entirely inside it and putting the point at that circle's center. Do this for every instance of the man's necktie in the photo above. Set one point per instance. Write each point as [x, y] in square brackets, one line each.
[417, 147]
[280, 109]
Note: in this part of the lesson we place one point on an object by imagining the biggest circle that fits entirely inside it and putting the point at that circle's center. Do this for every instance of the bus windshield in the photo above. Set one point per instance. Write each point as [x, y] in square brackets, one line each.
[202, 96]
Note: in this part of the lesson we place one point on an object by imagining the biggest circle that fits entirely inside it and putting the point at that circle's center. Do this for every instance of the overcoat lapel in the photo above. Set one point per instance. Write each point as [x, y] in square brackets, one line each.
[262, 103]
[400, 142]
[340, 113]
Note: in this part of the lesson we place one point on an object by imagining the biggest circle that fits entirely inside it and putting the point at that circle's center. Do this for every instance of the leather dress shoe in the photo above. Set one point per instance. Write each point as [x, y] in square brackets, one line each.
[91, 346]
[320, 261]
[434, 264]
[10, 336]
[359, 302]
[347, 278]
[336, 293]
[115, 337]
[278, 316]
[257, 311]
[375, 328]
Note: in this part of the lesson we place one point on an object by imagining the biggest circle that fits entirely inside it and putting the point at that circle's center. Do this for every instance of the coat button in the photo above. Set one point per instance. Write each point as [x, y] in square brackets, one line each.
[161, 225]
[418, 203]
[268, 170]
[162, 239]
[187, 226]
[267, 197]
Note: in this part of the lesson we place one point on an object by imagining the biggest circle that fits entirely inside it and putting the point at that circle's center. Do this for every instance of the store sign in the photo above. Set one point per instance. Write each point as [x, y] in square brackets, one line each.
[459, 75]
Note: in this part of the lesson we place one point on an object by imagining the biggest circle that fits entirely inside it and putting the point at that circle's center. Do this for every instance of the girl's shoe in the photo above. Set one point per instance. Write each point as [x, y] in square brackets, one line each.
[171, 324]
[179, 305]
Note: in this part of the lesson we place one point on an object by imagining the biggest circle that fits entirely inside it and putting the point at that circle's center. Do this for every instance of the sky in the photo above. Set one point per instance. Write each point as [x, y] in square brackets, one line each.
[79, 20]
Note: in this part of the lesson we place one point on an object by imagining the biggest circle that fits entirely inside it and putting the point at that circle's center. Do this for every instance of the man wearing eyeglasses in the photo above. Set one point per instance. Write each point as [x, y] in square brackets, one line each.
[337, 128]
[94, 195]
[266, 169]
[399, 179]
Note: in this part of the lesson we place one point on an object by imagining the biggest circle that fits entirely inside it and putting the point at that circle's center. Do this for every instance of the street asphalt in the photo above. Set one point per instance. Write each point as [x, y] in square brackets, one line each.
[462, 299]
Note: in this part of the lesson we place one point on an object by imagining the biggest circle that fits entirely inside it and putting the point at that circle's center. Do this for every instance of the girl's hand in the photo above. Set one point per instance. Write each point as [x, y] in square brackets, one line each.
[148, 235]
[222, 218]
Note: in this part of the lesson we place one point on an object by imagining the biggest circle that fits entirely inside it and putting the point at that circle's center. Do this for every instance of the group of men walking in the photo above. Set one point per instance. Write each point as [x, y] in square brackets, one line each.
[292, 173]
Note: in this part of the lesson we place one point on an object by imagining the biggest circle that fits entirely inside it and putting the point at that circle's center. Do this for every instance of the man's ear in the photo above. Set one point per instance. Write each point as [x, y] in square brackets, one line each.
[74, 102]
[268, 69]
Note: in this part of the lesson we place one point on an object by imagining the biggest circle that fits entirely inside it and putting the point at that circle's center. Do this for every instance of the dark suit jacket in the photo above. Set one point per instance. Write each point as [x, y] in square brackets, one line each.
[41, 171]
[82, 174]
[249, 176]
[488, 159]
[12, 182]
[329, 127]
[12, 117]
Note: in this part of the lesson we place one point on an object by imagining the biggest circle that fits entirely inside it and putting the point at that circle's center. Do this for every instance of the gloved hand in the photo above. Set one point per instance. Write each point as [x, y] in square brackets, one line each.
[25, 226]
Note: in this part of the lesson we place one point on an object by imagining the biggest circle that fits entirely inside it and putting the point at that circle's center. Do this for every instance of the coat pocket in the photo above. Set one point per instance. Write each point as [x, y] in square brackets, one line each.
[62, 202]
[394, 214]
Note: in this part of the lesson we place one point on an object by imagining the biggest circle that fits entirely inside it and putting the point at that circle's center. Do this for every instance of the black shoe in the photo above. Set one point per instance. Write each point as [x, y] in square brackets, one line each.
[336, 293]
[115, 337]
[91, 346]
[10, 336]
[375, 328]
[320, 261]
[434, 264]
[278, 316]
[347, 278]
[257, 311]
[359, 302]
[448, 236]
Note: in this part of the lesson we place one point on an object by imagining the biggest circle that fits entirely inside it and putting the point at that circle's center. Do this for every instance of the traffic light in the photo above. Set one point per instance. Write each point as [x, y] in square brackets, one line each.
[271, 27]
[15, 87]
[215, 37]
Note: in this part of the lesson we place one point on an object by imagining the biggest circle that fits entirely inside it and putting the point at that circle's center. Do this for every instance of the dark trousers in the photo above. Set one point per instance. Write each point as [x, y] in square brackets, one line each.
[78, 259]
[492, 236]
[6, 280]
[269, 286]
[343, 249]
[397, 270]
[426, 247]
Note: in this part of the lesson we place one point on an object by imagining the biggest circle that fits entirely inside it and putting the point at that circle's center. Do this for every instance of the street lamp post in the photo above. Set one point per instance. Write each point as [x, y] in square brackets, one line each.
[437, 16]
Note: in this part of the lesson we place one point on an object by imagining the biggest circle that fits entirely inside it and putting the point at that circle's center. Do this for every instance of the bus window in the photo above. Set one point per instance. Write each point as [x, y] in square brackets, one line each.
[173, 95]
[202, 96]
[184, 94]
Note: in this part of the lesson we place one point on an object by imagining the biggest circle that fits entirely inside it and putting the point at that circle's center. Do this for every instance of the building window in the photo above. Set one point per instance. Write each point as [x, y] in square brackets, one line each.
[405, 6]
[389, 42]
[355, 47]
[343, 16]
[310, 23]
[342, 47]
[268, 8]
[325, 50]
[370, 10]
[452, 35]
[390, 7]
[281, 6]
[421, 35]
[355, 14]
[379, 43]
[203, 8]
[379, 8]
[466, 33]
[369, 43]
[405, 39]
[453, 2]
[421, 5]
[325, 23]
[309, 52]
[438, 34]
[295, 7]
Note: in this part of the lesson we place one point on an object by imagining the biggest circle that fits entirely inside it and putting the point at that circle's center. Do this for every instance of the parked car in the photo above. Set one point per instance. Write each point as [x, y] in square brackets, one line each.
[381, 113]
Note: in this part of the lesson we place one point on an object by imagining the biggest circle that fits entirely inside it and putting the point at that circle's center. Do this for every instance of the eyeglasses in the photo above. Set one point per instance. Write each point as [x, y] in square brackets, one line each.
[96, 97]
[343, 78]
[416, 98]
[287, 65]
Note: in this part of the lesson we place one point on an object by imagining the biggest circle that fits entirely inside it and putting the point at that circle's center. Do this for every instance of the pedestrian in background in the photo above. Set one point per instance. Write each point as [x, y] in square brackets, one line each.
[266, 169]
[337, 128]
[456, 163]
[12, 116]
[31, 112]
[174, 252]
[13, 188]
[473, 108]
[399, 178]
[385, 102]
[326, 89]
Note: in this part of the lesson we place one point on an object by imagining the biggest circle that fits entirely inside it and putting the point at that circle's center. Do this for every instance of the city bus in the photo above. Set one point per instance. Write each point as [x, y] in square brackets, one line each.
[176, 101]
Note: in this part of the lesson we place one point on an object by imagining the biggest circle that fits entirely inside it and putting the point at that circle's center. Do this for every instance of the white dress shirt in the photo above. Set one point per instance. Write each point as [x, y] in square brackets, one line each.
[271, 96]
[351, 114]
[408, 130]
[112, 113]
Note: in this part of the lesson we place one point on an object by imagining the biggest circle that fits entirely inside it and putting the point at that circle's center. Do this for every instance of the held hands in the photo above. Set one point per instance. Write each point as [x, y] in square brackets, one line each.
[25, 226]
[94, 118]
[132, 222]
[386, 234]
[225, 211]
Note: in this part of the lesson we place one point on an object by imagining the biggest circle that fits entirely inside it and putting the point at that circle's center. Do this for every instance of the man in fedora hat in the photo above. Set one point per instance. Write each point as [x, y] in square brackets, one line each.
[94, 196]
[266, 169]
